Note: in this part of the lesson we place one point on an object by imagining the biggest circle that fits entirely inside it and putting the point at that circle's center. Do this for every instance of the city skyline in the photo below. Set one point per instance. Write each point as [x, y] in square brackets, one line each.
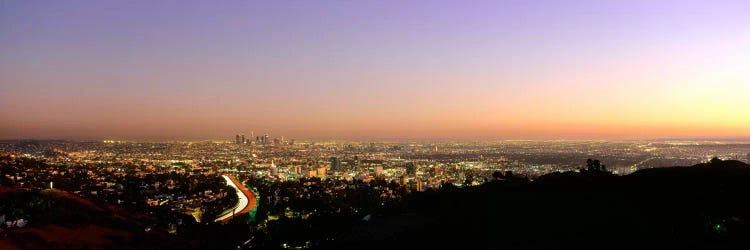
[374, 70]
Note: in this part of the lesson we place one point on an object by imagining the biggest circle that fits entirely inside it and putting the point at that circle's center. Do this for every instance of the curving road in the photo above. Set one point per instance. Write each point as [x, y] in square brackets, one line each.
[245, 203]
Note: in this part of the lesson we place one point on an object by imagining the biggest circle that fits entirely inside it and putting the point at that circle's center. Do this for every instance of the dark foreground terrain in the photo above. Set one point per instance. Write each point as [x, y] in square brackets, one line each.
[701, 207]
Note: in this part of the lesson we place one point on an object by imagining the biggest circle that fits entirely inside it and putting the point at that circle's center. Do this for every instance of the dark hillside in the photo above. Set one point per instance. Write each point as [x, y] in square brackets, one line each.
[58, 219]
[699, 207]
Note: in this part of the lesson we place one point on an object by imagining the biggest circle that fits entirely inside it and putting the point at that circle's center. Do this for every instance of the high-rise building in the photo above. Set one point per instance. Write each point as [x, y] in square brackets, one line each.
[273, 170]
[265, 139]
[243, 139]
[237, 139]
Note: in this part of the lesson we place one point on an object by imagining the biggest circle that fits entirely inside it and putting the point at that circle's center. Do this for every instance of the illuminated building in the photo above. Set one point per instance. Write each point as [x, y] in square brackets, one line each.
[273, 170]
[312, 173]
[321, 172]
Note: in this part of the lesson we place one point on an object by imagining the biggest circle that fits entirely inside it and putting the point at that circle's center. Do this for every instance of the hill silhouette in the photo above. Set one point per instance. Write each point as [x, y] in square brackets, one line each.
[58, 219]
[698, 207]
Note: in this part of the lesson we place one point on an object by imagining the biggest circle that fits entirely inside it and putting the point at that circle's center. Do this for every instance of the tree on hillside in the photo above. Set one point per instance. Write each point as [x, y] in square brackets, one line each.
[716, 160]
[593, 165]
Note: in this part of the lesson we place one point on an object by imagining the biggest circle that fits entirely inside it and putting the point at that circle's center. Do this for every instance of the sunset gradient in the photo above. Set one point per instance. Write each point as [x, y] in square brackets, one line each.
[481, 70]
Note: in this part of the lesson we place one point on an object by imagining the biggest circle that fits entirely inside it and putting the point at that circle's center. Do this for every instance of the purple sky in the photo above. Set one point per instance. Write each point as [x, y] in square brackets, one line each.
[374, 69]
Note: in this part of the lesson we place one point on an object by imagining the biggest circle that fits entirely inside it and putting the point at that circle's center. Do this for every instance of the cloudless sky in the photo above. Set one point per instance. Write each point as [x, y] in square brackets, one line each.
[374, 69]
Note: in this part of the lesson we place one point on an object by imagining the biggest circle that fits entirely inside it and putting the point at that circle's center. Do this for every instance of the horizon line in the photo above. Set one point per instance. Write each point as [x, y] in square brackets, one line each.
[381, 139]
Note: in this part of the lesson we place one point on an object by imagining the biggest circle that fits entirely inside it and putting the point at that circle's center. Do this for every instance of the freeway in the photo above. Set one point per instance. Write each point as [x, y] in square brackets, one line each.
[246, 201]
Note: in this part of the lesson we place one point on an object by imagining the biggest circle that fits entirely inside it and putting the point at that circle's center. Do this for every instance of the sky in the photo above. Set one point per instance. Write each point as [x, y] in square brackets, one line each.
[463, 70]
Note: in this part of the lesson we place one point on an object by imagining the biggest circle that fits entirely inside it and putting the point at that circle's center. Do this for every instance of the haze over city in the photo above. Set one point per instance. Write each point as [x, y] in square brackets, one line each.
[374, 69]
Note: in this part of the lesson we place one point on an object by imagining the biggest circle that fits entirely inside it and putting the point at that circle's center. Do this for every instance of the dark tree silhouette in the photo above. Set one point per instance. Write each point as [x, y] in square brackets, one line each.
[594, 166]
[497, 175]
[716, 160]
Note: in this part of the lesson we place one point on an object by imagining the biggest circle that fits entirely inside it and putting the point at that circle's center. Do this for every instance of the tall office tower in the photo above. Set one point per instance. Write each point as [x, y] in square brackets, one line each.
[282, 140]
[237, 139]
[250, 138]
[243, 139]
[265, 139]
[335, 163]
[257, 140]
[273, 170]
